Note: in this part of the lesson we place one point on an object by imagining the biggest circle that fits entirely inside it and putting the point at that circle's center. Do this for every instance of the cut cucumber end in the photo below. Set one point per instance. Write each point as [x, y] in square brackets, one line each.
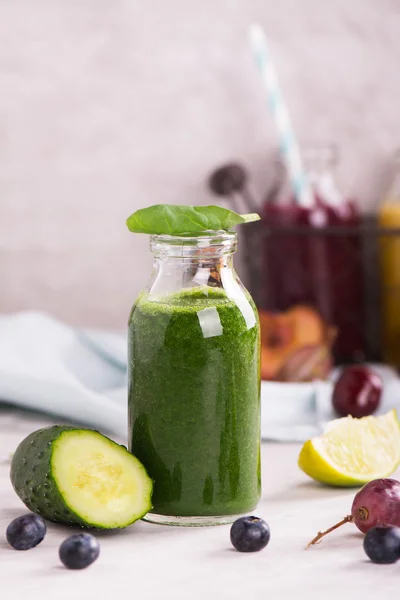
[99, 480]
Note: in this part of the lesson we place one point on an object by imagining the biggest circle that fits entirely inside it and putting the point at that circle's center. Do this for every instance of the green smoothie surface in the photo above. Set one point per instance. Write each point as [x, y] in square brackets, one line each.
[194, 403]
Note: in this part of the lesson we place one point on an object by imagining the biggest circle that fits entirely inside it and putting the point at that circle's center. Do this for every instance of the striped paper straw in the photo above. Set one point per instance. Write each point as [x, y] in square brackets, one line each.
[287, 141]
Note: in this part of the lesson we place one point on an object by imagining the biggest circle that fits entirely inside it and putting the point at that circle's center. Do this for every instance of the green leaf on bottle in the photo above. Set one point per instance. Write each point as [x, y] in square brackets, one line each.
[174, 219]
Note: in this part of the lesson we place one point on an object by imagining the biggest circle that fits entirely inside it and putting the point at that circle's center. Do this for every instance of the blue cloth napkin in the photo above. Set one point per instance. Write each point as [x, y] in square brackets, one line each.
[80, 376]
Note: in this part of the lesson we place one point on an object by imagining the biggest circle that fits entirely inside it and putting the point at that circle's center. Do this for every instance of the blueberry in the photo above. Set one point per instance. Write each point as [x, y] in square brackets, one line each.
[26, 532]
[249, 534]
[382, 544]
[79, 551]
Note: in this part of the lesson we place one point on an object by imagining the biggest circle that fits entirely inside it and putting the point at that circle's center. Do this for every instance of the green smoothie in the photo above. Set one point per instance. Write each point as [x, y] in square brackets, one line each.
[194, 401]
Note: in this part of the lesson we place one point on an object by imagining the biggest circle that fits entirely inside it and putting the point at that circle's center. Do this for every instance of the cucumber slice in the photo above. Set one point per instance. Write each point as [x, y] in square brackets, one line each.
[78, 476]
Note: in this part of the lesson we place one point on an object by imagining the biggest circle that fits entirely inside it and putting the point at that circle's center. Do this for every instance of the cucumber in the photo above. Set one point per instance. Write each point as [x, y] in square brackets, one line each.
[80, 477]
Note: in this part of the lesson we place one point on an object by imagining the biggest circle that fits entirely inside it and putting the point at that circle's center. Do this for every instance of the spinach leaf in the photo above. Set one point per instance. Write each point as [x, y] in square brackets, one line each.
[174, 219]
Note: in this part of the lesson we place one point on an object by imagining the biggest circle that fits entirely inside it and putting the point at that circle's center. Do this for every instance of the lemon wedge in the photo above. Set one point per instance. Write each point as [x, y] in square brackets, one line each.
[352, 452]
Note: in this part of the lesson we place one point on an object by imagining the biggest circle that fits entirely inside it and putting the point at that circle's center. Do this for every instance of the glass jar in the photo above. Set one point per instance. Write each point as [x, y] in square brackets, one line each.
[312, 254]
[194, 383]
[389, 250]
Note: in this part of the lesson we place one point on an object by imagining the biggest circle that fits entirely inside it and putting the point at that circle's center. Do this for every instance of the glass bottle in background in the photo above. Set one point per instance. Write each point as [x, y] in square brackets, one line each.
[313, 254]
[389, 250]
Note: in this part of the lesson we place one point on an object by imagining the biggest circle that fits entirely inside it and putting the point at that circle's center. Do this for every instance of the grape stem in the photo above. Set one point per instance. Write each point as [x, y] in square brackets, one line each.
[321, 534]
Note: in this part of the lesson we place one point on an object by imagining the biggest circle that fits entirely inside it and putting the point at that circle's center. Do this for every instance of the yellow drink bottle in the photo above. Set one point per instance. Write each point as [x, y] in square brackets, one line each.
[389, 250]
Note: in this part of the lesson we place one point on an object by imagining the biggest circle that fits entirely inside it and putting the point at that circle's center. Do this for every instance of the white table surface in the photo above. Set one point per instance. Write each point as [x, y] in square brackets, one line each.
[150, 561]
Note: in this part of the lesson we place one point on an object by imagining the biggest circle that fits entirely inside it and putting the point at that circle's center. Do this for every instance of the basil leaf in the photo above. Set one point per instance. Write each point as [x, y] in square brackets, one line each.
[174, 219]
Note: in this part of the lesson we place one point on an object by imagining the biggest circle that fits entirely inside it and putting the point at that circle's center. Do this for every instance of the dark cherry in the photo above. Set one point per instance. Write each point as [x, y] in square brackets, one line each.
[357, 392]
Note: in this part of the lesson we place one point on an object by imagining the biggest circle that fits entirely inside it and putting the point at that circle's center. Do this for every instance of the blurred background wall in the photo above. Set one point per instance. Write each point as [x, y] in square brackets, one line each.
[108, 106]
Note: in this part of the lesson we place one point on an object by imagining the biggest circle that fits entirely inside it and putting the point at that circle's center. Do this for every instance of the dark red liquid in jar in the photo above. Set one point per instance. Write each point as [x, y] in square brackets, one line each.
[306, 262]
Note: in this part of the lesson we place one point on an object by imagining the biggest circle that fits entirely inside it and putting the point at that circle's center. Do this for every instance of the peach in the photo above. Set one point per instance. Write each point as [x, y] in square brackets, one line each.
[284, 334]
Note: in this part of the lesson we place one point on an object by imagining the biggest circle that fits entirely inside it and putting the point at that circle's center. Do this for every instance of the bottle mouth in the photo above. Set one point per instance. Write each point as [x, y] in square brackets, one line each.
[207, 244]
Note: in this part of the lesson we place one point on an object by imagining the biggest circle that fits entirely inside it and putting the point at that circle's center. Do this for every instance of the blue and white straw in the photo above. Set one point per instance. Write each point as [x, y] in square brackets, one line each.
[288, 144]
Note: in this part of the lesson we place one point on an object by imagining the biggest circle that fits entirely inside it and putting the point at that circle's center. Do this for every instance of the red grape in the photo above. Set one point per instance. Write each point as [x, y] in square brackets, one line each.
[377, 504]
[357, 392]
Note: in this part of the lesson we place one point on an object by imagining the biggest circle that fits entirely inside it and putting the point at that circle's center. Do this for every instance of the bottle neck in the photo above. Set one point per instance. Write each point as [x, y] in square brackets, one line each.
[185, 262]
[201, 262]
[392, 195]
[319, 163]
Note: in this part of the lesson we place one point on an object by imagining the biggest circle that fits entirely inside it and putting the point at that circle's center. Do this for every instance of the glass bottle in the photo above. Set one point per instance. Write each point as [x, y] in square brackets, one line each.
[389, 250]
[194, 383]
[312, 254]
